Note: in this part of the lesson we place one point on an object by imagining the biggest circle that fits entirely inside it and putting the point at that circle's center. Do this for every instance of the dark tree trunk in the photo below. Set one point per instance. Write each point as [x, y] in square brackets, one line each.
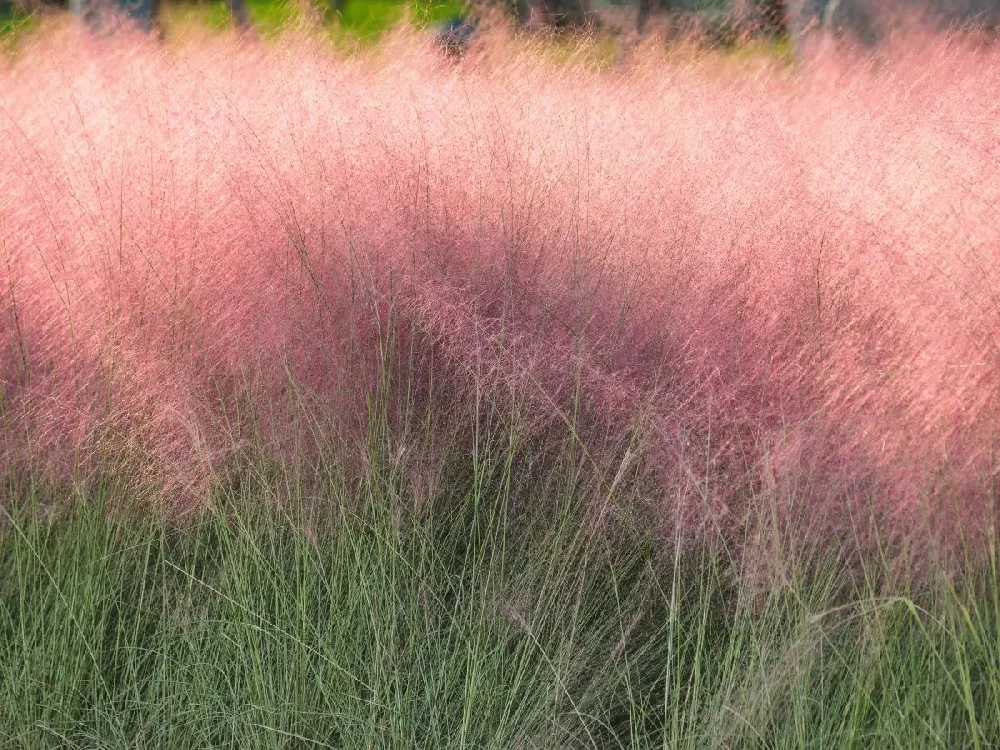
[567, 13]
[238, 11]
[645, 11]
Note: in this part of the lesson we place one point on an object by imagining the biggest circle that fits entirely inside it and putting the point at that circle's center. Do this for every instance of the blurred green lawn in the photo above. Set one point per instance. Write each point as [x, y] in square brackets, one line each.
[364, 20]
[356, 20]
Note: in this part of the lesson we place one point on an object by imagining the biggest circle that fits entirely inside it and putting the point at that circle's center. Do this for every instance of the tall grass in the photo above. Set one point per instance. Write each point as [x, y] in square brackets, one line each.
[369, 620]
[776, 283]
[389, 400]
[374, 620]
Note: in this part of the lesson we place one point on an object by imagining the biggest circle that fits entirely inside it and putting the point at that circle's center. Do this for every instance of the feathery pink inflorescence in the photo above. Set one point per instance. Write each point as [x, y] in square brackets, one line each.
[791, 279]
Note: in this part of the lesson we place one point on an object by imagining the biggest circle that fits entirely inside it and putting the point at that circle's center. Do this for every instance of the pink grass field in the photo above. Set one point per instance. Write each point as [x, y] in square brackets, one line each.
[785, 282]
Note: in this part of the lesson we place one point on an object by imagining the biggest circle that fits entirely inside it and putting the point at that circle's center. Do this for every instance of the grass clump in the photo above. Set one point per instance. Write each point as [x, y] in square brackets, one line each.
[398, 401]
[362, 620]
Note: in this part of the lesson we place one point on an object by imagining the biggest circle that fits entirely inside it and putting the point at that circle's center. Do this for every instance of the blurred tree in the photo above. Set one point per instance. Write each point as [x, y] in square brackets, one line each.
[772, 16]
[238, 12]
[146, 13]
[100, 13]
[856, 19]
[557, 13]
[645, 10]
[30, 6]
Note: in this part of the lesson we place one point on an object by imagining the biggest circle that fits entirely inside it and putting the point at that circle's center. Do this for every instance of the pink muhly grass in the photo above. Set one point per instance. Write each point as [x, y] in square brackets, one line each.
[786, 282]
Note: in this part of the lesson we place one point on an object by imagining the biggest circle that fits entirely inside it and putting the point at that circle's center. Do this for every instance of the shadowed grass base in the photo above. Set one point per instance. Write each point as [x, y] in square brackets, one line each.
[381, 626]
